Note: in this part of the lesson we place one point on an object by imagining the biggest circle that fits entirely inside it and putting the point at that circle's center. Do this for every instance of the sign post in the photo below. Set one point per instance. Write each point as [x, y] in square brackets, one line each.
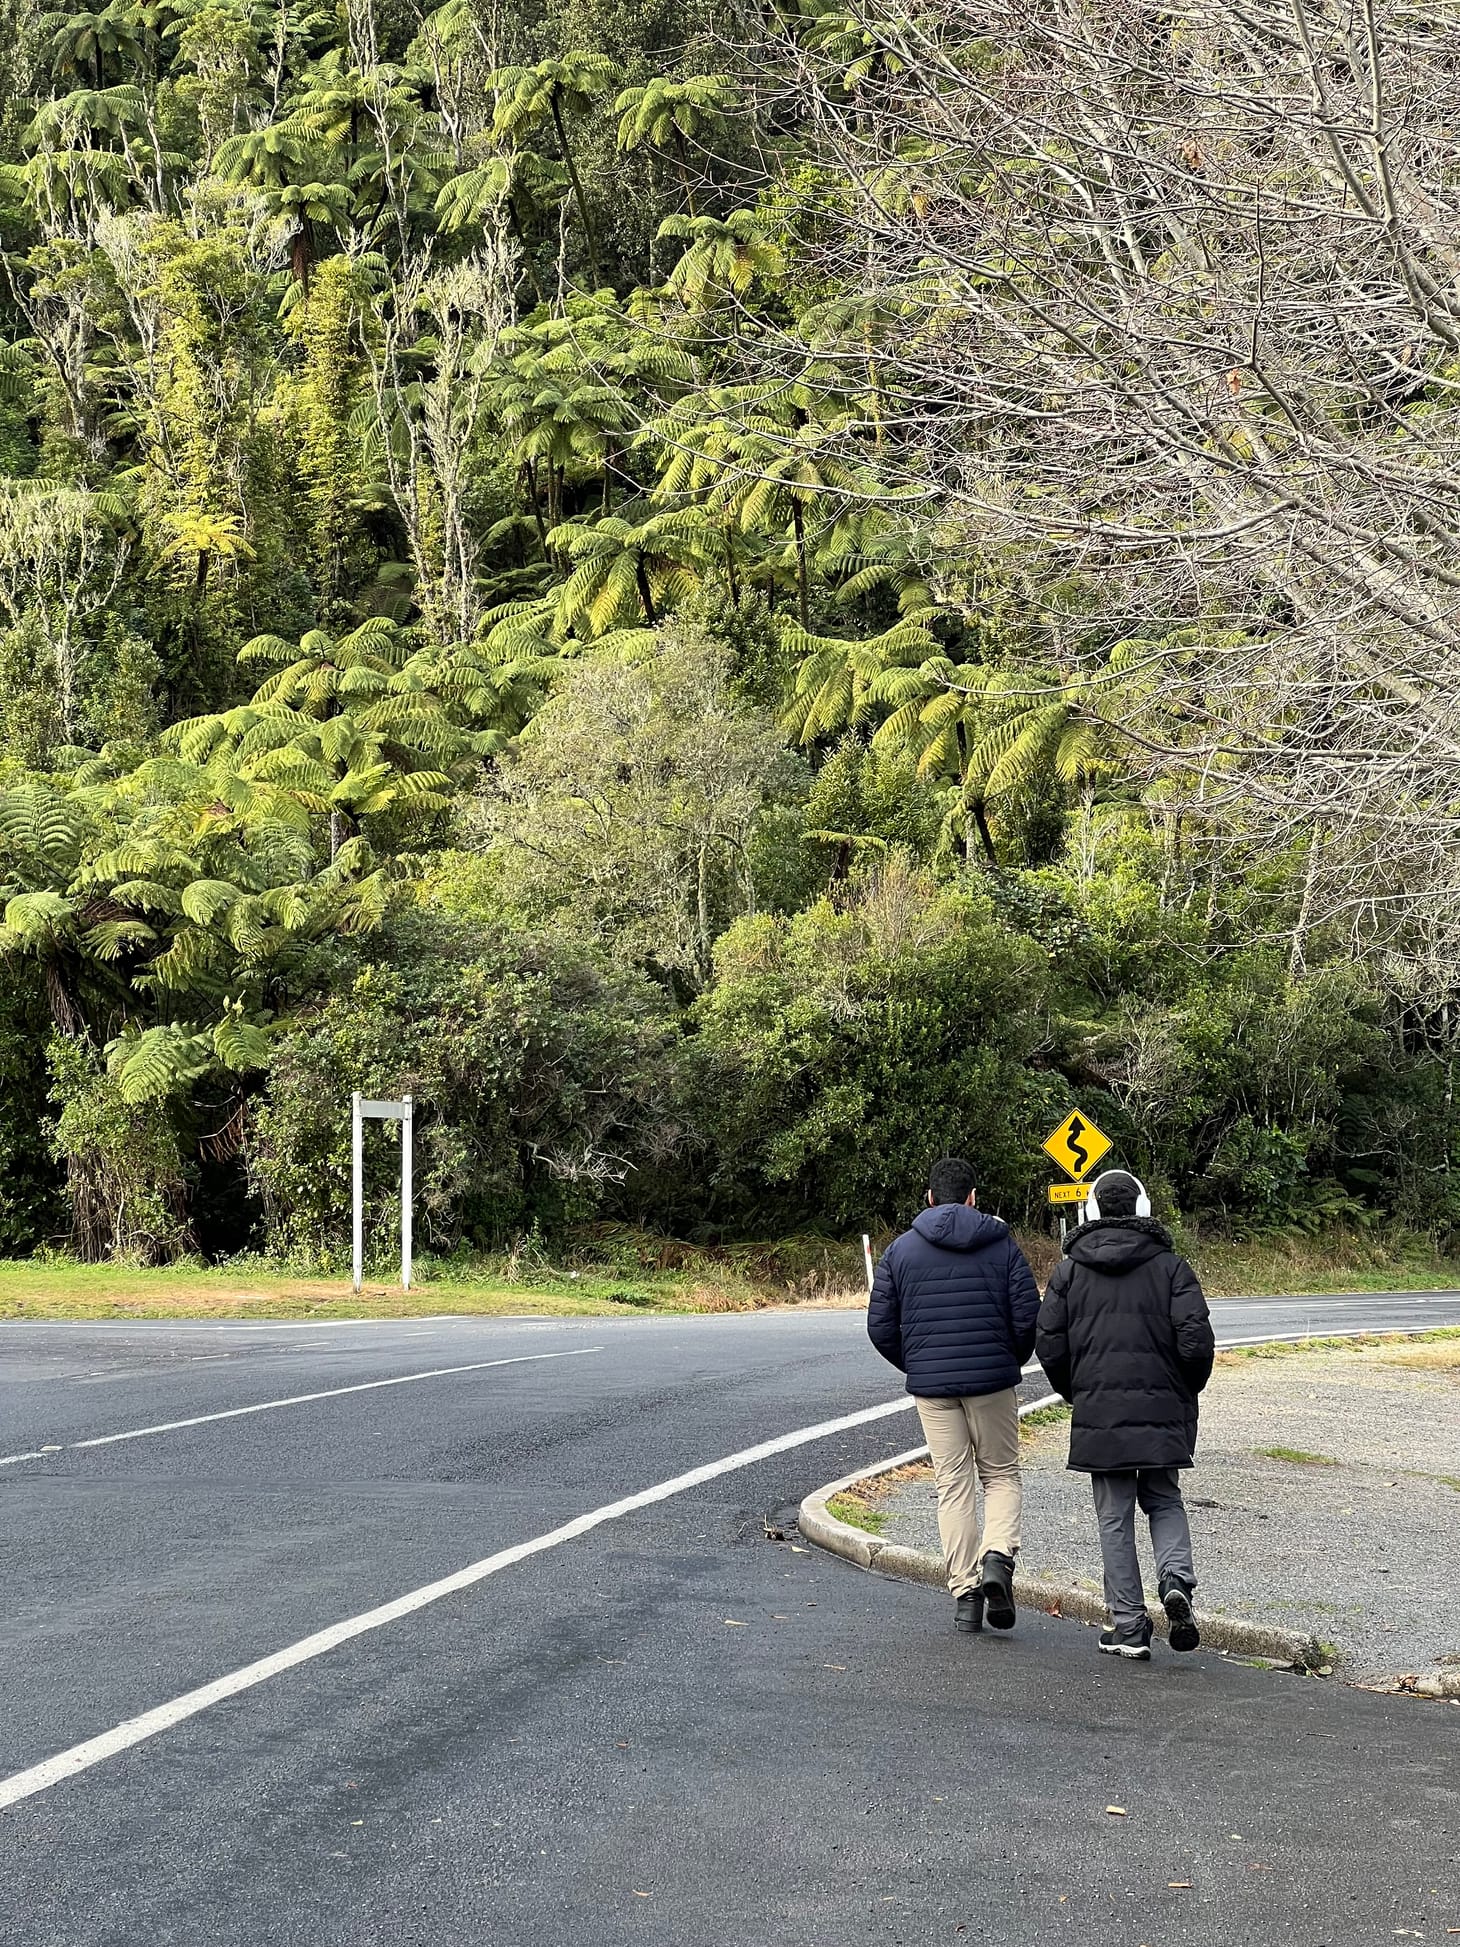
[407, 1159]
[1075, 1147]
[403, 1112]
[357, 1189]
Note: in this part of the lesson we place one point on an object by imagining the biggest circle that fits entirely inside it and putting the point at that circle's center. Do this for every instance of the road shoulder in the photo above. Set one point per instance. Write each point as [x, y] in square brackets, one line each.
[1325, 1510]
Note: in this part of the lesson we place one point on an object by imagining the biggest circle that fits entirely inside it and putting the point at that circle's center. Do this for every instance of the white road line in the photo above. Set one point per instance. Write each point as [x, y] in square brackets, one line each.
[295, 1399]
[136, 1730]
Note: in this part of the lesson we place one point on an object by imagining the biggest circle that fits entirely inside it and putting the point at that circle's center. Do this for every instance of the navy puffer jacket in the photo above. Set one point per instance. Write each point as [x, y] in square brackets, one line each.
[954, 1304]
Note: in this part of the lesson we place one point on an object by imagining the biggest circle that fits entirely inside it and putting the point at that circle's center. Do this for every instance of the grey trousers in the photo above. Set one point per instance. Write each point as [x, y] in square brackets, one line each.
[1157, 1491]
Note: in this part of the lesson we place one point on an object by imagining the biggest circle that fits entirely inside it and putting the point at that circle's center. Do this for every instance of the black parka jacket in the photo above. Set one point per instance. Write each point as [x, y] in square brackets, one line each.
[1125, 1335]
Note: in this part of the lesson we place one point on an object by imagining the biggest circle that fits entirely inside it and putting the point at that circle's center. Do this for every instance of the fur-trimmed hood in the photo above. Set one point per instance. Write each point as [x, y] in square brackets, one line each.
[1118, 1243]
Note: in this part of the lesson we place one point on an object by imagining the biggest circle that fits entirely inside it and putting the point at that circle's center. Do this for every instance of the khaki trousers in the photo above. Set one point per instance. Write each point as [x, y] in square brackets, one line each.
[973, 1440]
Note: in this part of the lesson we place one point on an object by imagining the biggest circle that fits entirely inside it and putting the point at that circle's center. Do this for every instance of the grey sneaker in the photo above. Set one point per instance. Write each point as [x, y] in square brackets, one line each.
[1135, 1649]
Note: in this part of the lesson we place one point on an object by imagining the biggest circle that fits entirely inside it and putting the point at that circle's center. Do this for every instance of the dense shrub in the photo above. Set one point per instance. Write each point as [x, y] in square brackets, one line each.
[32, 1209]
[126, 1175]
[544, 1076]
[842, 1048]
[1239, 1089]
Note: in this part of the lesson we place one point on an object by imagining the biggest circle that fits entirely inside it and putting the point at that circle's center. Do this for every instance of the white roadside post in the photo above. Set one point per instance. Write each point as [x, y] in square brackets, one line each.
[407, 1128]
[867, 1257]
[403, 1112]
[357, 1187]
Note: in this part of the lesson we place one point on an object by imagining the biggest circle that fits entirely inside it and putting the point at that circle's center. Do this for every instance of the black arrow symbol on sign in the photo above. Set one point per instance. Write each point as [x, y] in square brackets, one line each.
[1076, 1148]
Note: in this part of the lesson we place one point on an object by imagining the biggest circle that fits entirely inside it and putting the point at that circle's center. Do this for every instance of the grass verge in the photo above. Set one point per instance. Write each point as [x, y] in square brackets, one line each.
[607, 1270]
[1348, 1260]
[1437, 1350]
[1030, 1424]
[852, 1509]
[58, 1289]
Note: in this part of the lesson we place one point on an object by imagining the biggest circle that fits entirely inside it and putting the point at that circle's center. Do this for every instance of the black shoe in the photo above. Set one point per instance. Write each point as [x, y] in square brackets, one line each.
[1176, 1601]
[968, 1612]
[998, 1590]
[1135, 1649]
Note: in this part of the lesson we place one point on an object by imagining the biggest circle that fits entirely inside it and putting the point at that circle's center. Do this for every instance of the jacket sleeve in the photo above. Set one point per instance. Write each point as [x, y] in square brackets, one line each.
[1023, 1302]
[1195, 1345]
[1052, 1341]
[884, 1312]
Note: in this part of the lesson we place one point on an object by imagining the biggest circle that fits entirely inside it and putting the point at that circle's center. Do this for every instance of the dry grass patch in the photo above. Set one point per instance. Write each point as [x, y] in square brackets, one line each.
[837, 1298]
[1441, 1356]
[915, 1473]
[1439, 1349]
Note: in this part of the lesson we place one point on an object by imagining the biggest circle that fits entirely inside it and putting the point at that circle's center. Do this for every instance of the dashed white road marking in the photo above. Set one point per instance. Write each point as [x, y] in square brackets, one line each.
[136, 1730]
[294, 1399]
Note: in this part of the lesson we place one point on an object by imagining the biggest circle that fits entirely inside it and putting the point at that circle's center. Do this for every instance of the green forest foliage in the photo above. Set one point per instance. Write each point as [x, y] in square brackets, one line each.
[439, 653]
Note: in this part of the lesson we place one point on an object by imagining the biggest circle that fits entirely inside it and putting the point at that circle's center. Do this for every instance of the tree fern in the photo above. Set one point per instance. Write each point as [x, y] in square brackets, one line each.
[114, 939]
[41, 829]
[240, 1044]
[204, 901]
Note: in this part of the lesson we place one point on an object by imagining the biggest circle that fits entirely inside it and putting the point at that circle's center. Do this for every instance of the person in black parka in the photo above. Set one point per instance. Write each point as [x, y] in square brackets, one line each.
[953, 1306]
[1125, 1336]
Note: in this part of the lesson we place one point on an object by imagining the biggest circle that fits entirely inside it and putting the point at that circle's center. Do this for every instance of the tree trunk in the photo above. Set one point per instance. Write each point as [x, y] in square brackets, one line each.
[529, 468]
[644, 595]
[301, 252]
[579, 198]
[64, 1012]
[981, 823]
[689, 188]
[803, 586]
[702, 909]
[1297, 958]
[514, 224]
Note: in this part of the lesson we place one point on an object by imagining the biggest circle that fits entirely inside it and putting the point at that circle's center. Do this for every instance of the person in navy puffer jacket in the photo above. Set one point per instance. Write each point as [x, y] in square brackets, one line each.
[954, 1306]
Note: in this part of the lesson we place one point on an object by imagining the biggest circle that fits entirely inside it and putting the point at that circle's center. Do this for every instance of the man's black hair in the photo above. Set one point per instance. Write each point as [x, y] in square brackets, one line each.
[950, 1180]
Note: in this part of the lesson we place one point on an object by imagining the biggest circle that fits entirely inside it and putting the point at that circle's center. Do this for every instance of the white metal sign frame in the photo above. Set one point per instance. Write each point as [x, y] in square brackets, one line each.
[363, 1109]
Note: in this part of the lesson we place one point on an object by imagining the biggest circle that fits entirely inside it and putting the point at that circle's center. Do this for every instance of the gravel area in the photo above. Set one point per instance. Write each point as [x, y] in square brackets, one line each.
[1358, 1547]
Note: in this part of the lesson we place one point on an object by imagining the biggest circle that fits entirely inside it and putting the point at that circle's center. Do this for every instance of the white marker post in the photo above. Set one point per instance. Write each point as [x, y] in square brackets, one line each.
[867, 1256]
[407, 1144]
[357, 1189]
[403, 1112]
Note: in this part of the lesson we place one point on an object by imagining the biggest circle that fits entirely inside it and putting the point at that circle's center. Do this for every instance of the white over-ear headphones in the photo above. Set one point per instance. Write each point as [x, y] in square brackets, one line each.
[1092, 1204]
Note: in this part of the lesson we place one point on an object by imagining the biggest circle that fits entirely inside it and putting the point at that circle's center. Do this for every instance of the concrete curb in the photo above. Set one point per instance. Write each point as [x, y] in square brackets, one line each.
[1285, 1646]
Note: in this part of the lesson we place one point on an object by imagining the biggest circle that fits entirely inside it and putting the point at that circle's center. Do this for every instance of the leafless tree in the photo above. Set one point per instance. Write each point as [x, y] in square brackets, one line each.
[1159, 308]
[425, 426]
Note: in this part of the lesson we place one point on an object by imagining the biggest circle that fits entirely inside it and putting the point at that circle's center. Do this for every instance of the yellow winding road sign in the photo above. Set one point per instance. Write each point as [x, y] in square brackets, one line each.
[1077, 1145]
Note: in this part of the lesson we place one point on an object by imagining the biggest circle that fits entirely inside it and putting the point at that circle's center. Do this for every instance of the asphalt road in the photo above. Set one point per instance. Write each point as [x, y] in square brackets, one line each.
[666, 1729]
